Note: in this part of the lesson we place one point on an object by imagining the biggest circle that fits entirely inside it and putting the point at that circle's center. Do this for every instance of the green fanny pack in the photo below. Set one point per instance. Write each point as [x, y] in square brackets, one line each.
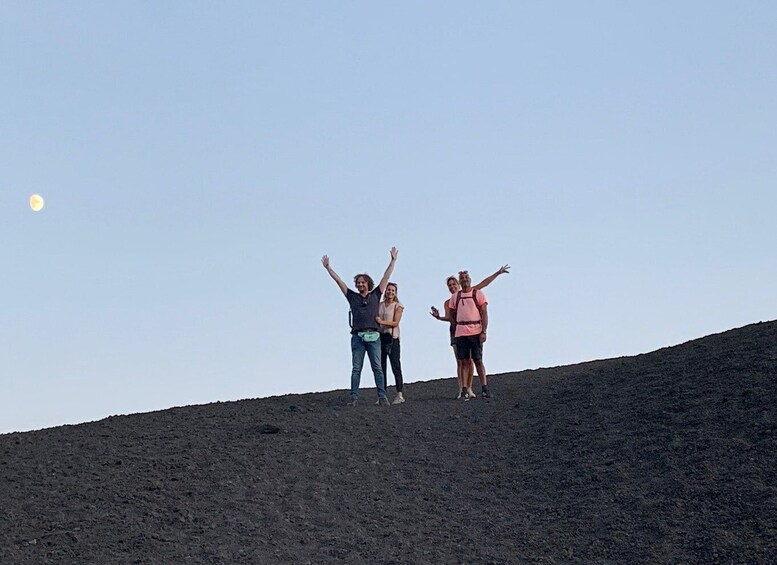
[368, 337]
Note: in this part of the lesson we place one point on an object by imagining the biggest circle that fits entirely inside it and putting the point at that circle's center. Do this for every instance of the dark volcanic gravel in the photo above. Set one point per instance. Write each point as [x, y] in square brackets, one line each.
[668, 457]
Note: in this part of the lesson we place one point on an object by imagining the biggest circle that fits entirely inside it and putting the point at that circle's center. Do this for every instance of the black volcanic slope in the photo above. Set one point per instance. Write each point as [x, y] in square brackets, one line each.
[668, 457]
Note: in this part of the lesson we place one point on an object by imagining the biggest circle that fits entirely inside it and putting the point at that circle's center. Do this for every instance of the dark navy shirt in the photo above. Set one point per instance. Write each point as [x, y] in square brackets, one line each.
[364, 310]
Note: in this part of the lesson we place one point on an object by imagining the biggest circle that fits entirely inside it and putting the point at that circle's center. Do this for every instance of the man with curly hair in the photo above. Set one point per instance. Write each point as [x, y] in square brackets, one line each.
[365, 337]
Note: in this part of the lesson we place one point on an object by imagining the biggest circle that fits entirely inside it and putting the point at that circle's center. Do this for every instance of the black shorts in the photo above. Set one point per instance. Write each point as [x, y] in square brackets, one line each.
[469, 346]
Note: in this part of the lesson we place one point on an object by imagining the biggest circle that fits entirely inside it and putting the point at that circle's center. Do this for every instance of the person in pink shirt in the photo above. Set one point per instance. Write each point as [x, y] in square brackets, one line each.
[469, 308]
[463, 389]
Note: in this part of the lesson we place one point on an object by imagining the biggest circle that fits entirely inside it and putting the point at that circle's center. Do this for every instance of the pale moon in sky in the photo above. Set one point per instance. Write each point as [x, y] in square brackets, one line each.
[36, 202]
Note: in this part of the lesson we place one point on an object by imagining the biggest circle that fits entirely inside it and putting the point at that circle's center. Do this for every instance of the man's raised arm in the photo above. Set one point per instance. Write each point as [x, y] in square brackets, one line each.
[491, 278]
[337, 279]
[390, 269]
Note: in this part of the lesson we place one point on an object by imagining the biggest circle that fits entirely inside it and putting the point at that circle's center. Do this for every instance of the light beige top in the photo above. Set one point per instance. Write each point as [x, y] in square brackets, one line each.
[387, 313]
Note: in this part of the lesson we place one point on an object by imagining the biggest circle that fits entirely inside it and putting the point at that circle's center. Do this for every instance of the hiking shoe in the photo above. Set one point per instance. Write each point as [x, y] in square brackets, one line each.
[486, 394]
[383, 401]
[471, 394]
[353, 402]
[398, 400]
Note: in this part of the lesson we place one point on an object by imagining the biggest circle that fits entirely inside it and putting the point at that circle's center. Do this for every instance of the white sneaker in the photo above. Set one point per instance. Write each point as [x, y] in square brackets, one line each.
[399, 399]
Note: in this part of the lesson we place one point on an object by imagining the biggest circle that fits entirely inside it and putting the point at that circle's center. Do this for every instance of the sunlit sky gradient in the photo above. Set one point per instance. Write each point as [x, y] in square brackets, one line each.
[198, 158]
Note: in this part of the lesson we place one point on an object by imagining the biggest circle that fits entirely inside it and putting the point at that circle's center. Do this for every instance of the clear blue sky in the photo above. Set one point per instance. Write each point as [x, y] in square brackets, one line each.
[198, 158]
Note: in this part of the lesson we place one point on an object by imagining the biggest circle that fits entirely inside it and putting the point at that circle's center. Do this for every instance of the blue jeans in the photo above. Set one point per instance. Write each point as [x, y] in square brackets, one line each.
[358, 349]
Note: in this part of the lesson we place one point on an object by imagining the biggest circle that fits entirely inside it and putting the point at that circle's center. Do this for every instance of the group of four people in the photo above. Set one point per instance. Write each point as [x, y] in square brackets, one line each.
[375, 329]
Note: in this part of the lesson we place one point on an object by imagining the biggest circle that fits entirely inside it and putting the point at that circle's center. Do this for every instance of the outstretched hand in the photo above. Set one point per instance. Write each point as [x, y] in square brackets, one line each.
[325, 261]
[394, 252]
[435, 312]
[504, 269]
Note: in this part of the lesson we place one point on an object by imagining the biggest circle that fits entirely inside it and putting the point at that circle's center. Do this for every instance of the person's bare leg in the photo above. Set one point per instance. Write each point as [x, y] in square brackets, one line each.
[459, 374]
[463, 373]
[481, 372]
[482, 377]
[470, 375]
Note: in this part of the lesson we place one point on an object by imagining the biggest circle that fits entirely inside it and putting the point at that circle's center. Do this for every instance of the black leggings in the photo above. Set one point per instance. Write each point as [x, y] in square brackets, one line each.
[389, 347]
